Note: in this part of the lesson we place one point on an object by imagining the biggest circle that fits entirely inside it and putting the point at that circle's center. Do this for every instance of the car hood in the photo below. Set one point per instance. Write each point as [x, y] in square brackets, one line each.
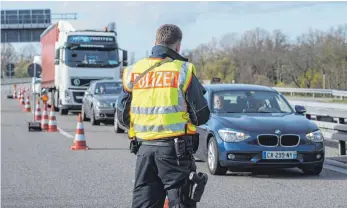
[107, 98]
[266, 123]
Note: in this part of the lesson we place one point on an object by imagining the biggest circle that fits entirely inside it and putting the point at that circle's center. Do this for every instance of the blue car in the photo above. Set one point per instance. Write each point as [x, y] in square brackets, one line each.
[253, 127]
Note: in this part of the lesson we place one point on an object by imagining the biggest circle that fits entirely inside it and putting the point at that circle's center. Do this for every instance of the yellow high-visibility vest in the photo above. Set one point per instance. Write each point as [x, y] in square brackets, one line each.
[158, 108]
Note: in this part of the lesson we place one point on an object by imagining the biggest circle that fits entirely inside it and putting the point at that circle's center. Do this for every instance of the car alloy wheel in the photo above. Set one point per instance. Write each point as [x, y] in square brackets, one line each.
[115, 124]
[84, 117]
[213, 159]
[93, 121]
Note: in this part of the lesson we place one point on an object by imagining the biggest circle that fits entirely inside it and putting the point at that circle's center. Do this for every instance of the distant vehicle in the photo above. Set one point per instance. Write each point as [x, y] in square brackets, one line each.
[72, 58]
[99, 101]
[254, 126]
[36, 85]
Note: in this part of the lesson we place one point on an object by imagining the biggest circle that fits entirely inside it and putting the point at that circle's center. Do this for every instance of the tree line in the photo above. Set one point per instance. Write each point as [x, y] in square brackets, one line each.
[21, 59]
[315, 59]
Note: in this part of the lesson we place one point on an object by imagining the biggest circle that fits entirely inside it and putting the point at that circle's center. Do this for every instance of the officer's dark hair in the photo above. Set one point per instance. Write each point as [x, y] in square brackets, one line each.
[168, 35]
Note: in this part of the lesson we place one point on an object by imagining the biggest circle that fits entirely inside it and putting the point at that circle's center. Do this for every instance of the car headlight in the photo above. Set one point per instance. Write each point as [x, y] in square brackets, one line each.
[102, 105]
[229, 135]
[67, 95]
[315, 136]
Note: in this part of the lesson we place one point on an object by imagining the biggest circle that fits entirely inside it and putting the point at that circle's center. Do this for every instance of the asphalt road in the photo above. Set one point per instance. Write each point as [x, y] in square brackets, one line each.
[39, 170]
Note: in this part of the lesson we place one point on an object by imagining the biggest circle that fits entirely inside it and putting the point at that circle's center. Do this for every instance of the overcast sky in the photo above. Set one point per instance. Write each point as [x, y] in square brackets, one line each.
[200, 21]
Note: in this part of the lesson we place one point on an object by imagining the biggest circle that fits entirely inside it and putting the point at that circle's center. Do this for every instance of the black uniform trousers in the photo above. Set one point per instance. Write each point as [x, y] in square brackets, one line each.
[158, 174]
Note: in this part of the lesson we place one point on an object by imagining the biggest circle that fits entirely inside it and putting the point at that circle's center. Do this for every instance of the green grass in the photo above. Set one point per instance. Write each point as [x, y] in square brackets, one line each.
[338, 101]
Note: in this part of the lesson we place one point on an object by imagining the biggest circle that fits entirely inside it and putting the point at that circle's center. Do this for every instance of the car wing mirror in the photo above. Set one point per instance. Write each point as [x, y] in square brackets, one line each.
[300, 109]
[125, 58]
[87, 93]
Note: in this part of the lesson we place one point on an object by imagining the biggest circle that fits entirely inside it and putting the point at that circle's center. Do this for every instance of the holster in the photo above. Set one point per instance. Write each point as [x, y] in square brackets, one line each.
[180, 147]
[186, 146]
[198, 183]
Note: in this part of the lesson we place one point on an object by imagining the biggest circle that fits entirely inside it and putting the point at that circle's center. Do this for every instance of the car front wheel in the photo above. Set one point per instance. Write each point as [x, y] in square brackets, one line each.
[213, 159]
[83, 113]
[93, 121]
[312, 170]
[115, 124]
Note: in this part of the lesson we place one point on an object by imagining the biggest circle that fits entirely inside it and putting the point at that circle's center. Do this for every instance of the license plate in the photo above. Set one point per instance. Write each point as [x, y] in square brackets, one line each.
[279, 155]
[79, 97]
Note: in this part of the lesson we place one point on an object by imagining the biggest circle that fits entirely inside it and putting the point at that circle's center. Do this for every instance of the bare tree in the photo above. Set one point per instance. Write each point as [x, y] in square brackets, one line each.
[28, 52]
[8, 55]
[260, 57]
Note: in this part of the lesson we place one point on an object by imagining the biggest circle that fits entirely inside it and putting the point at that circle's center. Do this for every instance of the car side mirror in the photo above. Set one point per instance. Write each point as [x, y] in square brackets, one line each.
[300, 109]
[125, 58]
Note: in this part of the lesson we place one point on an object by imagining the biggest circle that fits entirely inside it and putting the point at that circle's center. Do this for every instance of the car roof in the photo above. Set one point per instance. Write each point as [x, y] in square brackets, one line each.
[222, 87]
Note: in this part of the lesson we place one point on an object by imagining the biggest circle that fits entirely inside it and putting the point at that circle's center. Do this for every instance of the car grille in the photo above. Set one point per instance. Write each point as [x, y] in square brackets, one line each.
[290, 140]
[268, 140]
[76, 94]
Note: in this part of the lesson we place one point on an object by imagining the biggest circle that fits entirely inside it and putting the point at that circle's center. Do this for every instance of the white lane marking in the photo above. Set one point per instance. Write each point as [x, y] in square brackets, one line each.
[65, 133]
[335, 169]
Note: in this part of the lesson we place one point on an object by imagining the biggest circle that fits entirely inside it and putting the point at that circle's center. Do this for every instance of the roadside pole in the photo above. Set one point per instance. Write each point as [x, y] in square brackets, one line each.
[34, 92]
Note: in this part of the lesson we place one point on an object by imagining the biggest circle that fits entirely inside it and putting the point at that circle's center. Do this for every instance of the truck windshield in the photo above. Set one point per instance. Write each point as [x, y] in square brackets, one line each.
[82, 57]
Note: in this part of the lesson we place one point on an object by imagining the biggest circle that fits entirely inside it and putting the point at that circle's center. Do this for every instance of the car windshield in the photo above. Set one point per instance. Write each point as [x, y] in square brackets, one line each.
[81, 57]
[108, 88]
[249, 102]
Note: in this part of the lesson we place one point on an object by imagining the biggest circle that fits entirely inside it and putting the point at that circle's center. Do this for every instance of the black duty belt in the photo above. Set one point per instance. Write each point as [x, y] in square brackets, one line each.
[162, 142]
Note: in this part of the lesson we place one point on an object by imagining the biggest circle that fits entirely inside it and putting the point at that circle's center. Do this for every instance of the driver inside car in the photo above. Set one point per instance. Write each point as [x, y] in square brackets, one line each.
[260, 105]
[219, 104]
[100, 90]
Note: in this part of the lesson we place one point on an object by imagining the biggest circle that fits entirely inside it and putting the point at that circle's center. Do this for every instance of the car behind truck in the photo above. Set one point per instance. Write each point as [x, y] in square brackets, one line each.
[72, 58]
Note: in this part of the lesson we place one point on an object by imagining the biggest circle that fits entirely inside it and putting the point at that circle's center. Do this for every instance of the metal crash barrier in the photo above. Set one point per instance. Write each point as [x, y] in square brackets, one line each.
[333, 127]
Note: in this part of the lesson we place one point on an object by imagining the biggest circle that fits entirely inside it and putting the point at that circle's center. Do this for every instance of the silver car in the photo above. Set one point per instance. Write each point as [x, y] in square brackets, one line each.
[99, 100]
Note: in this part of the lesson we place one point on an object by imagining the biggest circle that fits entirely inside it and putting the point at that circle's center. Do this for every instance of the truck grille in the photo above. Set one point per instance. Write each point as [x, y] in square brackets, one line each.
[290, 140]
[77, 94]
[81, 82]
[268, 140]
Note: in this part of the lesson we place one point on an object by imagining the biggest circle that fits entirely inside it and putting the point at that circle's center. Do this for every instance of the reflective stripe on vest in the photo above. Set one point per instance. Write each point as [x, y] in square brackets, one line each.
[154, 114]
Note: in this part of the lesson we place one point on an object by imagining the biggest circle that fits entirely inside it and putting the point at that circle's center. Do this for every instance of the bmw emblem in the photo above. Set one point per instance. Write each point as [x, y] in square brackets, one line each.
[277, 132]
[76, 81]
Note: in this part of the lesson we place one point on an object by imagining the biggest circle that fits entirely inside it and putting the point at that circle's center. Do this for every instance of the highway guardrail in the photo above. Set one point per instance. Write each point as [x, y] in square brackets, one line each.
[334, 93]
[333, 127]
[15, 81]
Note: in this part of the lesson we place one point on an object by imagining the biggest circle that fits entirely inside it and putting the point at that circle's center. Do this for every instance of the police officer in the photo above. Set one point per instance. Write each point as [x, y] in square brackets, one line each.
[161, 104]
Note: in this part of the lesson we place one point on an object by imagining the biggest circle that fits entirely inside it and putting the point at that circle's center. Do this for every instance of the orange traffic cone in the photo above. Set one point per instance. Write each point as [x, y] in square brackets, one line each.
[52, 123]
[44, 121]
[19, 94]
[80, 140]
[38, 116]
[21, 100]
[166, 203]
[14, 94]
[27, 107]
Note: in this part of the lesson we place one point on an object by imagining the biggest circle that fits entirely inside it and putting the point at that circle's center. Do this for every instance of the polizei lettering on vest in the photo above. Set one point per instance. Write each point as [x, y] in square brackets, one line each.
[158, 79]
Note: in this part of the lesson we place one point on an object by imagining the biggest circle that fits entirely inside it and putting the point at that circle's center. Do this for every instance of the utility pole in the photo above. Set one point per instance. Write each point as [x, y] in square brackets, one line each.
[323, 78]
